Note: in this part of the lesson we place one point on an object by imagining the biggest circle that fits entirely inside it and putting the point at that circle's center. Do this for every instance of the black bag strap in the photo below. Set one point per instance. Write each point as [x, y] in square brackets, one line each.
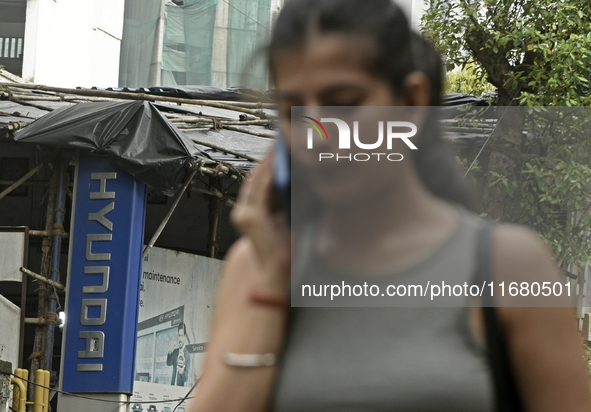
[507, 395]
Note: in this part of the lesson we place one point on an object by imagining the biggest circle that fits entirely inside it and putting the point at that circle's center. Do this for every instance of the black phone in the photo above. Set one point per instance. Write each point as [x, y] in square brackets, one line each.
[282, 175]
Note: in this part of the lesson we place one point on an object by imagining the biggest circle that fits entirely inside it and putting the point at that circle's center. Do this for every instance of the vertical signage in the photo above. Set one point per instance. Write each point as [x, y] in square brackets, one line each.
[103, 278]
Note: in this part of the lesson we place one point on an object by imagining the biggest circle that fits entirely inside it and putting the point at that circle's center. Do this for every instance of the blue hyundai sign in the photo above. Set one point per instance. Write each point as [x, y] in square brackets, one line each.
[104, 278]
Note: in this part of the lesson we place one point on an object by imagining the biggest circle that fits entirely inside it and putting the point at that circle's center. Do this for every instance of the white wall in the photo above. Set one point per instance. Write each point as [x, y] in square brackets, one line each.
[414, 10]
[71, 43]
[9, 342]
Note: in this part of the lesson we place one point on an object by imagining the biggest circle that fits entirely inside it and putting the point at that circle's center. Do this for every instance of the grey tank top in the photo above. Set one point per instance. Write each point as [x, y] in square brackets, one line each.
[411, 359]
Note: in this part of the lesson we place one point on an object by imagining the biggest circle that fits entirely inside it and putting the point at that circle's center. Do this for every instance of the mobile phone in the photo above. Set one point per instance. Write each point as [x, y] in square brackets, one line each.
[282, 175]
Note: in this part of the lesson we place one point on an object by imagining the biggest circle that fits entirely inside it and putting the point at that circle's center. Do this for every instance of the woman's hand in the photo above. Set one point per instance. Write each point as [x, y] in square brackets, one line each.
[267, 229]
[258, 262]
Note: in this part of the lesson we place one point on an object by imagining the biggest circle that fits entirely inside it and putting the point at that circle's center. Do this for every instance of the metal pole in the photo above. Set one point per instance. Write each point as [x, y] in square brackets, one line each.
[58, 230]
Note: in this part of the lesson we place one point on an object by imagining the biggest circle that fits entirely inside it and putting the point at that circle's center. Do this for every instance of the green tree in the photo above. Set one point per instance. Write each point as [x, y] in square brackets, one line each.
[536, 53]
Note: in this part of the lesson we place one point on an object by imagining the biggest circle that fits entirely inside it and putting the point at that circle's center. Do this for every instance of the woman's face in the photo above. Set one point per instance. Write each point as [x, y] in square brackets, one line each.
[331, 70]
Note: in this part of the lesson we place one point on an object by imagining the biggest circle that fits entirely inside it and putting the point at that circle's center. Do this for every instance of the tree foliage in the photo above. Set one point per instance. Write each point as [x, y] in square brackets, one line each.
[536, 53]
[467, 81]
[537, 49]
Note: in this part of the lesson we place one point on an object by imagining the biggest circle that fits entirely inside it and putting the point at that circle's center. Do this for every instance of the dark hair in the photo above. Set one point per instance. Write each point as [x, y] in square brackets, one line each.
[399, 52]
[300, 20]
[434, 162]
[427, 60]
[183, 328]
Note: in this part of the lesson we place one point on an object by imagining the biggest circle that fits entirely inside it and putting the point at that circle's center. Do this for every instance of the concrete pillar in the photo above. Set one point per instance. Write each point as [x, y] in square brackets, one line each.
[5, 371]
[116, 403]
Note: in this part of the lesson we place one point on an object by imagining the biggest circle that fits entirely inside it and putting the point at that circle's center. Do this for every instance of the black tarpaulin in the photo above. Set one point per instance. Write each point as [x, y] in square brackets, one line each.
[235, 94]
[134, 134]
[455, 104]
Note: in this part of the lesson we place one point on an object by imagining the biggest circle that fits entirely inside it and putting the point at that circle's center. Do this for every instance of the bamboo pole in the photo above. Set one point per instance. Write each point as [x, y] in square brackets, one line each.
[214, 206]
[60, 167]
[252, 132]
[44, 233]
[38, 356]
[228, 200]
[60, 98]
[12, 114]
[21, 180]
[39, 321]
[169, 213]
[219, 169]
[139, 96]
[27, 183]
[209, 121]
[14, 126]
[8, 96]
[222, 149]
[40, 278]
[74, 92]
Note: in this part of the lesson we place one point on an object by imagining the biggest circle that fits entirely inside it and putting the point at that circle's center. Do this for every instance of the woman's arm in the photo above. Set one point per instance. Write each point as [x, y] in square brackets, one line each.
[544, 342]
[258, 262]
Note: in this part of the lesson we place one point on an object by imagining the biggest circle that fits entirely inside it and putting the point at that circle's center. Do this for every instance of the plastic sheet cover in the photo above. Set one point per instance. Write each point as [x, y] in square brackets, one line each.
[135, 135]
[249, 23]
[188, 42]
[140, 61]
[235, 94]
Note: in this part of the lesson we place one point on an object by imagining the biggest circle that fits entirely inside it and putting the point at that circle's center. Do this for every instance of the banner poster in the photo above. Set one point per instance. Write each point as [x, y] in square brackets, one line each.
[176, 302]
[12, 252]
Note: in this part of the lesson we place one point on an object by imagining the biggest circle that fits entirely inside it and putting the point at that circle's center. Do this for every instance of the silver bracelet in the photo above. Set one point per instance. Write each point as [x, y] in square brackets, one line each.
[249, 360]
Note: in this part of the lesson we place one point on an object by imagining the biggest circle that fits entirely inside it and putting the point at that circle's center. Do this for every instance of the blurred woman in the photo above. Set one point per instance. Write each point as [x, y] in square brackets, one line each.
[265, 355]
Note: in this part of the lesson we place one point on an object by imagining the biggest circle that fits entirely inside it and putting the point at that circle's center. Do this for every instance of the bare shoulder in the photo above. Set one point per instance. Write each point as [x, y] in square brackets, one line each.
[522, 259]
[543, 340]
[519, 254]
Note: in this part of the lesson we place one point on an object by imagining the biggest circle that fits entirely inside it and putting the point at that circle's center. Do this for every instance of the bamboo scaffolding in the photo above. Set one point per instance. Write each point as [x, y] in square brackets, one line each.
[140, 96]
[40, 278]
[222, 149]
[21, 180]
[28, 182]
[74, 95]
[252, 132]
[14, 126]
[45, 233]
[214, 207]
[17, 115]
[209, 121]
[38, 355]
[61, 98]
[228, 200]
[40, 321]
[169, 213]
[8, 96]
